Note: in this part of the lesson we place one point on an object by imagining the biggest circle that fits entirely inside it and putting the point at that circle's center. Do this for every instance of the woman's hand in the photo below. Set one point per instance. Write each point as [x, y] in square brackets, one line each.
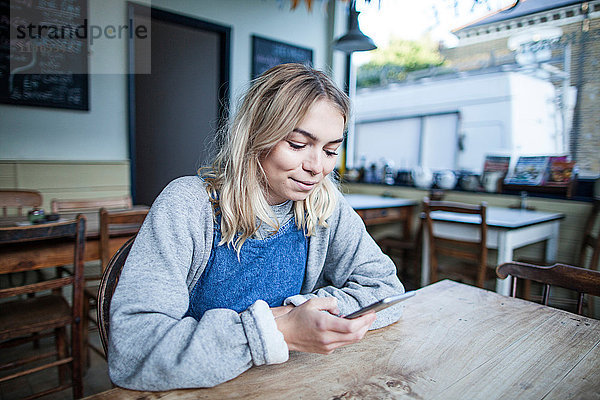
[282, 310]
[312, 328]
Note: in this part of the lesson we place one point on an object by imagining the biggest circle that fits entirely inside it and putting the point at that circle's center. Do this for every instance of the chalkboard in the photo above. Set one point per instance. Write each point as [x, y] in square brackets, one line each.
[44, 53]
[267, 53]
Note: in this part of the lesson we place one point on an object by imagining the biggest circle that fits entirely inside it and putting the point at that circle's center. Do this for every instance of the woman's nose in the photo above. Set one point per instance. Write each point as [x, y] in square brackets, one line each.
[313, 163]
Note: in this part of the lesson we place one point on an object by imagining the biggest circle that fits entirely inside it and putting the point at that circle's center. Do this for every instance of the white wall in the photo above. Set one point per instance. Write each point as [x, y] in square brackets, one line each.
[534, 129]
[432, 96]
[36, 133]
[501, 113]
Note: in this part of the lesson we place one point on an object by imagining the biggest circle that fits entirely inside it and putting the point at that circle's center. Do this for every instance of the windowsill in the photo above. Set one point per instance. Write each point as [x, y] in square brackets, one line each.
[584, 190]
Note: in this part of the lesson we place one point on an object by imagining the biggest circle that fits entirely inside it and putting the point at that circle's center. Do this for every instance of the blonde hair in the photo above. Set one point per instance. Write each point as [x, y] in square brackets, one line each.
[273, 106]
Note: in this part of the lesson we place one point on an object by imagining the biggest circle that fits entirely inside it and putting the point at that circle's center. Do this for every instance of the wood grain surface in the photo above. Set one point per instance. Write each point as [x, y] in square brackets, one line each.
[11, 259]
[453, 342]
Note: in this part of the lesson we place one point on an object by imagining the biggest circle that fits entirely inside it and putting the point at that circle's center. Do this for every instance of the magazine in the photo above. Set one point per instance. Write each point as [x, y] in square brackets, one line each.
[559, 172]
[530, 170]
[496, 164]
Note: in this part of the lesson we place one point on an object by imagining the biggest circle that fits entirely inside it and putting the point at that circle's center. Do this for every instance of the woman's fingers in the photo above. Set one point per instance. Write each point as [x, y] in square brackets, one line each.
[328, 304]
[348, 332]
[343, 325]
[307, 328]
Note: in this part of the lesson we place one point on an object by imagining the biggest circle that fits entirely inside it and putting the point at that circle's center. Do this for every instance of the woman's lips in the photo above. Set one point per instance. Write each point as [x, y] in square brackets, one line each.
[304, 185]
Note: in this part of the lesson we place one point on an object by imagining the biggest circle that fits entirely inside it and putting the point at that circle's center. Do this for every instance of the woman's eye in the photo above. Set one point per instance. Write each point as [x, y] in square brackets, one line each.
[296, 146]
[331, 153]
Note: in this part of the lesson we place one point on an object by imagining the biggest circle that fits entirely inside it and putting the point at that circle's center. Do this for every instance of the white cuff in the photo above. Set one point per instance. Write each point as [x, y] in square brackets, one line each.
[298, 299]
[266, 342]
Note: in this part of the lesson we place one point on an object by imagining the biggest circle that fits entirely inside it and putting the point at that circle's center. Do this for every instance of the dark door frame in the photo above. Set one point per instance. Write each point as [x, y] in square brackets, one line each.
[224, 33]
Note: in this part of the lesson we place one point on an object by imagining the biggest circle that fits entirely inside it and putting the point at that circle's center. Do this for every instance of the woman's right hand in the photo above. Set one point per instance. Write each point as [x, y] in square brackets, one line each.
[313, 327]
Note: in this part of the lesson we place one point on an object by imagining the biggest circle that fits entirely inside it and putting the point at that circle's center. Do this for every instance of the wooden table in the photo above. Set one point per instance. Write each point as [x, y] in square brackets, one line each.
[453, 342]
[508, 229]
[58, 254]
[375, 210]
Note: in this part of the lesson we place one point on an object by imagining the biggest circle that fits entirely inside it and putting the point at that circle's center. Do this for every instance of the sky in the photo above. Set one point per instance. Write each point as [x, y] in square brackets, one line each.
[411, 19]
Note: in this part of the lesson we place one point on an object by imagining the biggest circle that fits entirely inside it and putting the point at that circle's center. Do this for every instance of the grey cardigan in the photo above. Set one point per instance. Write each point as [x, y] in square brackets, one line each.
[152, 347]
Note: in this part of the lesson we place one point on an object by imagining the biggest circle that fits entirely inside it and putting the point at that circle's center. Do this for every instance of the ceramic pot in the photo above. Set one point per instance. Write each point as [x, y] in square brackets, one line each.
[489, 181]
[422, 177]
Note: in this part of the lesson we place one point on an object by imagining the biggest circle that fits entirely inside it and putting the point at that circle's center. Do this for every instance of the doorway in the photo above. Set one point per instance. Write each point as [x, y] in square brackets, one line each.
[176, 110]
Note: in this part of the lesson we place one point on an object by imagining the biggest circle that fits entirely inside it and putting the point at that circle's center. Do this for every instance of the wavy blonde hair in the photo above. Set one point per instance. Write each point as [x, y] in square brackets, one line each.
[274, 105]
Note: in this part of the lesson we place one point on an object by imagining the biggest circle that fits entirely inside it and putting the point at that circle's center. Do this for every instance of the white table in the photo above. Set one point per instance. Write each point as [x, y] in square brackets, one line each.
[376, 210]
[366, 201]
[508, 229]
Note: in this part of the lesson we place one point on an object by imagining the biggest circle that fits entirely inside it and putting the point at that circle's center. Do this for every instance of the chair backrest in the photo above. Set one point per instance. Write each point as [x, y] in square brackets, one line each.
[65, 206]
[581, 280]
[19, 199]
[474, 251]
[127, 219]
[591, 239]
[27, 239]
[108, 284]
[32, 248]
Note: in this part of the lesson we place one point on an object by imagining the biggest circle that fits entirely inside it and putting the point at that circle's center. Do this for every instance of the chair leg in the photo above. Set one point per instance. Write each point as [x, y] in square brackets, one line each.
[481, 276]
[526, 289]
[85, 325]
[76, 353]
[433, 270]
[61, 353]
[403, 262]
[590, 306]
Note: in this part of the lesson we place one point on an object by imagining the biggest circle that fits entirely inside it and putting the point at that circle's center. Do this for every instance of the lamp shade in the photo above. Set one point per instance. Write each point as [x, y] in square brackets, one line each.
[354, 40]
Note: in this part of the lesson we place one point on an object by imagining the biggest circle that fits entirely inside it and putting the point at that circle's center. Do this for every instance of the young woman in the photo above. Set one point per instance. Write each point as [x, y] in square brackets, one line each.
[255, 257]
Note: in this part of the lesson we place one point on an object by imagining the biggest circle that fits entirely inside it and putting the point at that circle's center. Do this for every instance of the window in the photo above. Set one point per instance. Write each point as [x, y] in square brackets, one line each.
[429, 141]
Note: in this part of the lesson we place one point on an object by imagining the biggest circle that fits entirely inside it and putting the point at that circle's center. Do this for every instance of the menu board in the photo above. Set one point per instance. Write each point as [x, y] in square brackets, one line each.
[44, 53]
[267, 53]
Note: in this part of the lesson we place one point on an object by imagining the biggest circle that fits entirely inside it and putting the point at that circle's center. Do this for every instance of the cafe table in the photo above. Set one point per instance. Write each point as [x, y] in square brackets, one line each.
[62, 254]
[453, 341]
[508, 229]
[376, 210]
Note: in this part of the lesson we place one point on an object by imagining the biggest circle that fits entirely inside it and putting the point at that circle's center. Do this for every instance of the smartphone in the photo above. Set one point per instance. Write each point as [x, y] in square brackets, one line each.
[381, 304]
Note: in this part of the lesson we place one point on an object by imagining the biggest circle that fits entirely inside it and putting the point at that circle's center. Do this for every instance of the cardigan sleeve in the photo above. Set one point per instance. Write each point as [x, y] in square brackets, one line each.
[151, 345]
[345, 262]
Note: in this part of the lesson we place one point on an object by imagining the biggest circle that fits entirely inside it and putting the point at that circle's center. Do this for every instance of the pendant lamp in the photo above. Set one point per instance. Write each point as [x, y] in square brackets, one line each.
[354, 40]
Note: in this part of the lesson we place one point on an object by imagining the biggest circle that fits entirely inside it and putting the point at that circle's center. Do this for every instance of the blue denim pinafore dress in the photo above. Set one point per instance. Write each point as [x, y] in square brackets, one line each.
[270, 269]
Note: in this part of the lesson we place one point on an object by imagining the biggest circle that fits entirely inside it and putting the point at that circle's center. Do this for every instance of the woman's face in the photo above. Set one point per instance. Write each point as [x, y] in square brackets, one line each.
[306, 156]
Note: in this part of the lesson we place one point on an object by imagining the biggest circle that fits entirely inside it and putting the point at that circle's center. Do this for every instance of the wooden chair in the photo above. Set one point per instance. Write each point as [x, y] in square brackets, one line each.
[86, 205]
[62, 206]
[473, 252]
[581, 280]
[24, 319]
[110, 221]
[408, 250]
[590, 240]
[108, 284]
[19, 199]
[590, 244]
